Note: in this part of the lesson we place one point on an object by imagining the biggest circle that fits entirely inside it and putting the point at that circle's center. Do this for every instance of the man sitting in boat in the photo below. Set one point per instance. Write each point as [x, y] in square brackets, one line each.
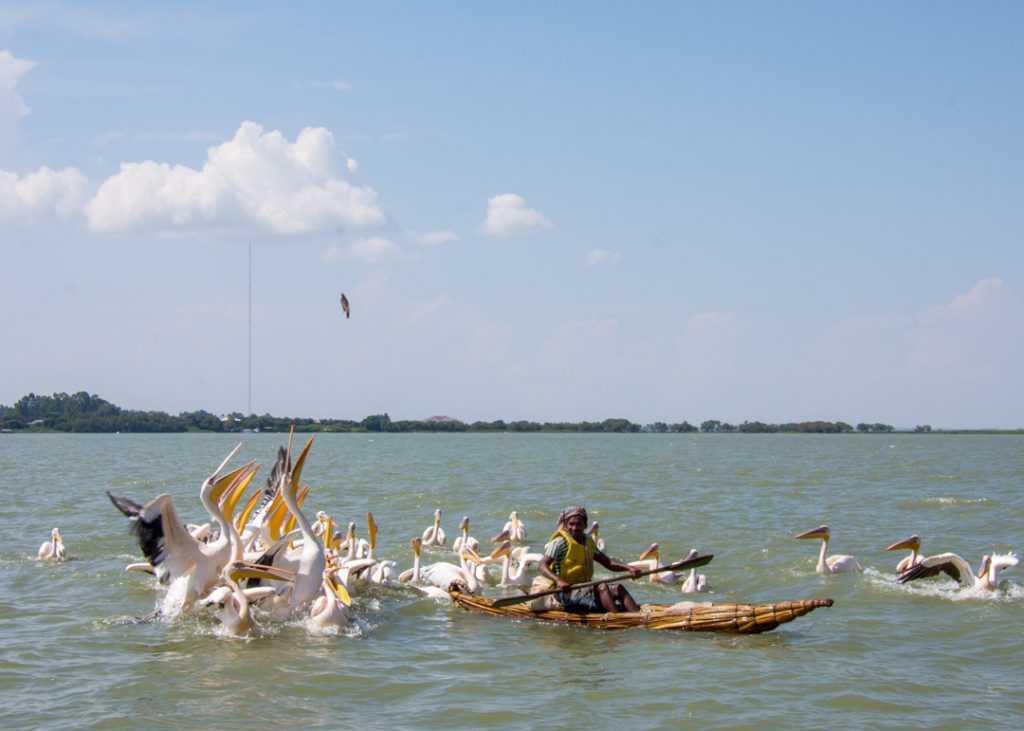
[569, 559]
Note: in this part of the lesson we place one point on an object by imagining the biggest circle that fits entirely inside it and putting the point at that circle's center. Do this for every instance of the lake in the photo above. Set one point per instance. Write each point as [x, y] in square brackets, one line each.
[884, 656]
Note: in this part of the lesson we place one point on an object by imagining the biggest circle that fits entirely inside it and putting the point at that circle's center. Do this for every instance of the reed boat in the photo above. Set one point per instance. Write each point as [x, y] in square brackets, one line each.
[685, 616]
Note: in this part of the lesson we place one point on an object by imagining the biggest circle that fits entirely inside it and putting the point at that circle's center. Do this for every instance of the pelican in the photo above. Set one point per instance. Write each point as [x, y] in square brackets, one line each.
[592, 532]
[344, 304]
[232, 602]
[651, 559]
[170, 548]
[465, 540]
[913, 544]
[515, 528]
[442, 574]
[694, 583]
[434, 535]
[510, 576]
[833, 564]
[333, 607]
[949, 563]
[369, 567]
[412, 576]
[53, 548]
[311, 561]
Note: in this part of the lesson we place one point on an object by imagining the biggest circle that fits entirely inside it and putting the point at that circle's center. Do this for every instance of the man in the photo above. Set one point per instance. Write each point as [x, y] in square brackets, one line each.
[569, 559]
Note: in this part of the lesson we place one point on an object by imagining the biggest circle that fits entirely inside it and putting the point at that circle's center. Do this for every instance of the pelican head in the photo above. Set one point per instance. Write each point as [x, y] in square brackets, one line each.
[908, 544]
[464, 523]
[437, 516]
[653, 552]
[821, 532]
[417, 544]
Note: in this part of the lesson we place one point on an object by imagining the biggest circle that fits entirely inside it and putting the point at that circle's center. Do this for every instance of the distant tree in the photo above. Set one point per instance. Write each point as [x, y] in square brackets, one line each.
[923, 429]
[376, 422]
[711, 425]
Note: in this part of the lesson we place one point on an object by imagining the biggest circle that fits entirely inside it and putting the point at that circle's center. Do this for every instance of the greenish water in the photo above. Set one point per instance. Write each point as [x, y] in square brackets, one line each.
[885, 656]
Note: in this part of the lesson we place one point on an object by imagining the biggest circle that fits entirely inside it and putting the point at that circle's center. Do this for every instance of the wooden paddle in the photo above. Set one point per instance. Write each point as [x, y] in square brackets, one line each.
[686, 563]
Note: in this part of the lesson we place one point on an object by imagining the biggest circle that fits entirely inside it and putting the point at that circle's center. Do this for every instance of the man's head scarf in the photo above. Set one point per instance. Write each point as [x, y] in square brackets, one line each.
[575, 510]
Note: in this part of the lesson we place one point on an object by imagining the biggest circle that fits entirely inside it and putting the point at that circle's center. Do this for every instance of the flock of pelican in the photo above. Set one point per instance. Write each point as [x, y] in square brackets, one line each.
[265, 554]
[914, 566]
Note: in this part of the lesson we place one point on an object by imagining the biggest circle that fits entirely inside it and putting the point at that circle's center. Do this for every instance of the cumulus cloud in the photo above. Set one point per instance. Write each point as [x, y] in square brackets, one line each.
[596, 256]
[12, 106]
[41, 196]
[507, 215]
[257, 181]
[432, 238]
[372, 250]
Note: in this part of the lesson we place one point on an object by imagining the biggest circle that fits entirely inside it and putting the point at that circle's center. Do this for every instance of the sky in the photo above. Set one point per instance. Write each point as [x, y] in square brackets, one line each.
[658, 211]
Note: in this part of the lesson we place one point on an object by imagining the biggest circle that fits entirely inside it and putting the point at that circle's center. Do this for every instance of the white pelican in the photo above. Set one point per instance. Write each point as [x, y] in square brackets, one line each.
[832, 564]
[232, 602]
[592, 532]
[53, 548]
[311, 561]
[442, 574]
[465, 540]
[434, 535]
[913, 544]
[695, 583]
[651, 559]
[949, 563]
[510, 575]
[412, 576]
[333, 607]
[514, 528]
[369, 567]
[170, 548]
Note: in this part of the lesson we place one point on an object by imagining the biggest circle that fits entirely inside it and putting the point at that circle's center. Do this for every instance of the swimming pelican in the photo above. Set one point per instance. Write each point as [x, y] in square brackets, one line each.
[956, 567]
[695, 583]
[833, 564]
[434, 535]
[592, 532]
[333, 607]
[170, 548]
[465, 540]
[412, 576]
[651, 559]
[442, 574]
[510, 575]
[516, 528]
[53, 548]
[232, 602]
[913, 544]
[311, 561]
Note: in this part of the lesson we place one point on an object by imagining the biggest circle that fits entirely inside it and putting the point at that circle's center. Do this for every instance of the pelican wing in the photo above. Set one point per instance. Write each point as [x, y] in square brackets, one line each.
[947, 563]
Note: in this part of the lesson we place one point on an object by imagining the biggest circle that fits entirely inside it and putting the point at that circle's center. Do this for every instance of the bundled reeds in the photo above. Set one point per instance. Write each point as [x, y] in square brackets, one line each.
[687, 616]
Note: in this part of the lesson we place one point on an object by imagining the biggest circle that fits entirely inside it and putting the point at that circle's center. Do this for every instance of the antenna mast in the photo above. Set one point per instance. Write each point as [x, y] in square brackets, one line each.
[249, 412]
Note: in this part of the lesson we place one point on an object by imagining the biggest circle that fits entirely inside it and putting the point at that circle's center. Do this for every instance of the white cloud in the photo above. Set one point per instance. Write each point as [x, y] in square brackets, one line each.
[255, 182]
[596, 256]
[12, 106]
[372, 250]
[432, 238]
[42, 195]
[507, 215]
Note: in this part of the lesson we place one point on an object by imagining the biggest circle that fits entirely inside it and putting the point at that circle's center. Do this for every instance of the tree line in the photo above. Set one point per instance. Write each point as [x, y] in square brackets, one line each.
[82, 412]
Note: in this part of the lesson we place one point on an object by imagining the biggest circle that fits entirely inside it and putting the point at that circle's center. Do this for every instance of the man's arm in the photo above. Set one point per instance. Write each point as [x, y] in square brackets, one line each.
[544, 567]
[613, 564]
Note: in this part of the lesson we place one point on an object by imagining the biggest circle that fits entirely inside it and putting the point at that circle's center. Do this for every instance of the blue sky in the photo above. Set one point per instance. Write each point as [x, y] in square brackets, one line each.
[547, 211]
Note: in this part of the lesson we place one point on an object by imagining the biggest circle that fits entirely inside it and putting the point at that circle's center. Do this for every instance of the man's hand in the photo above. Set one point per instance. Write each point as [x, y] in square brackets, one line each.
[634, 571]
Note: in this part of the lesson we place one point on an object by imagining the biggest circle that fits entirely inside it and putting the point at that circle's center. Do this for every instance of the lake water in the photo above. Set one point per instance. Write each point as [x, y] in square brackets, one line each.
[884, 656]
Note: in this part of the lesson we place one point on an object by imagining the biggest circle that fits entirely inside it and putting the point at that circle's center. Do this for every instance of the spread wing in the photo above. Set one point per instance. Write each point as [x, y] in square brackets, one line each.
[344, 304]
